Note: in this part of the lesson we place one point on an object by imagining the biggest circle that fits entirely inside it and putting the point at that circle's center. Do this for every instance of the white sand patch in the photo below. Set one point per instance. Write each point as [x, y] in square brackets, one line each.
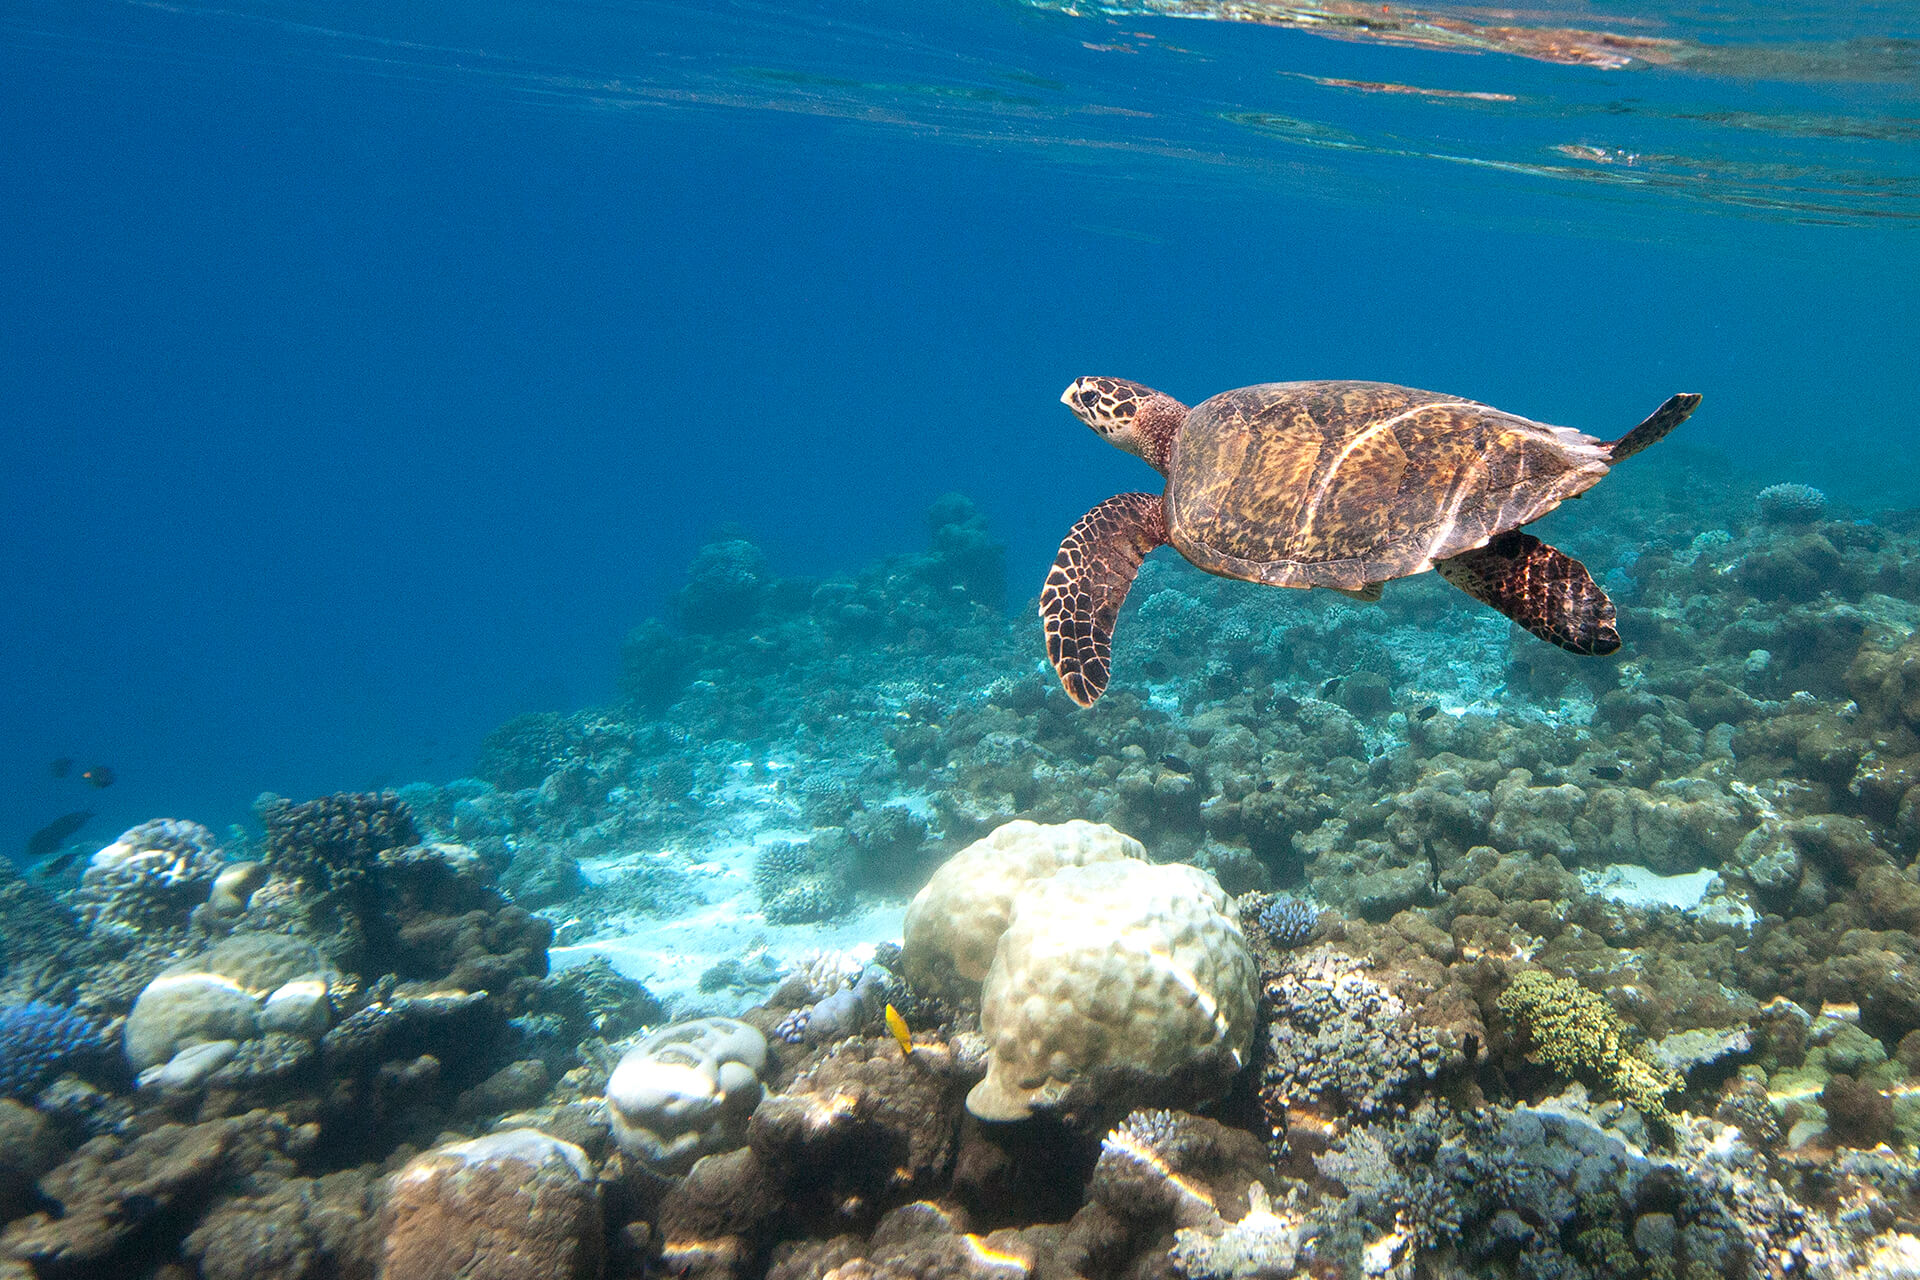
[1700, 894]
[669, 954]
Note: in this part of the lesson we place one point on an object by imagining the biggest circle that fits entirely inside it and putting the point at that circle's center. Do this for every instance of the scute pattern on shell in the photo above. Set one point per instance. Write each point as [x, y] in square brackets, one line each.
[1342, 484]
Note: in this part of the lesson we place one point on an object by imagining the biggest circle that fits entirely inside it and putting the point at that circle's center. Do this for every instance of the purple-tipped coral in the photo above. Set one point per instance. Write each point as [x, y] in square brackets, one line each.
[1790, 504]
[35, 1040]
[1289, 921]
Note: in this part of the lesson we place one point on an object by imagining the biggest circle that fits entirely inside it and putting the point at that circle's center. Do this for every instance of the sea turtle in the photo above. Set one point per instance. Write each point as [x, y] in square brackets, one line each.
[1334, 484]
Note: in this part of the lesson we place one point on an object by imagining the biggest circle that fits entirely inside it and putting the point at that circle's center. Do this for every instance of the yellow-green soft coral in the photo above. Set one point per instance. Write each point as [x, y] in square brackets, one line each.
[1577, 1033]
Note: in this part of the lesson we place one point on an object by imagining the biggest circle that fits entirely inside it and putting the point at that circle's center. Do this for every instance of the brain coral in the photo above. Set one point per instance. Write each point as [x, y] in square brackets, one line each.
[1111, 978]
[955, 922]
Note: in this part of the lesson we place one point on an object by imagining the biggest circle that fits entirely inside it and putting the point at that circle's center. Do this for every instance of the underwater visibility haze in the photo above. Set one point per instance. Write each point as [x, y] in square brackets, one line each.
[531, 749]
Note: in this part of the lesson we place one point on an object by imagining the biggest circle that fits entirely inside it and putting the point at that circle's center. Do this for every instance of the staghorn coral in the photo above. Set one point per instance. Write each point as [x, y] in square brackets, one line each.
[1262, 1245]
[592, 998]
[1578, 1034]
[1163, 1177]
[35, 930]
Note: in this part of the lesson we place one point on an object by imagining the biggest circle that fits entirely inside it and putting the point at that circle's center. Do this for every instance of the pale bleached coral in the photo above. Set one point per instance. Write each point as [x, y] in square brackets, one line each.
[954, 923]
[1114, 978]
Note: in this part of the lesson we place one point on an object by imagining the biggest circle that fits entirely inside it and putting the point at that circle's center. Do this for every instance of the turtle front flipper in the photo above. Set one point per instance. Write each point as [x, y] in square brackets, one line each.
[1544, 590]
[1088, 583]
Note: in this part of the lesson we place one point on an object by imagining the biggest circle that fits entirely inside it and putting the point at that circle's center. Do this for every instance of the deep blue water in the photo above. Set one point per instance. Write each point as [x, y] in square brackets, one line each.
[367, 372]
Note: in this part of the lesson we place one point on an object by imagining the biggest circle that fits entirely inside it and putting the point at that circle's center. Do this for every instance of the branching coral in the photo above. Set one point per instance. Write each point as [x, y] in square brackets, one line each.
[336, 841]
[35, 1040]
[797, 885]
[1289, 921]
[1790, 503]
[1577, 1033]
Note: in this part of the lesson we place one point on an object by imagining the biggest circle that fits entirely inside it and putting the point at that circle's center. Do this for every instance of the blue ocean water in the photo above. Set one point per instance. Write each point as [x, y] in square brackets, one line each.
[369, 370]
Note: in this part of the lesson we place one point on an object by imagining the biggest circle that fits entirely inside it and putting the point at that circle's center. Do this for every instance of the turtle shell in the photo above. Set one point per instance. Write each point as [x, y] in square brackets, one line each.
[1345, 484]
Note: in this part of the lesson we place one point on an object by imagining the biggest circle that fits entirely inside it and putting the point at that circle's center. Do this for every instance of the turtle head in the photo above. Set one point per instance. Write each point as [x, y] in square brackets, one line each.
[1128, 416]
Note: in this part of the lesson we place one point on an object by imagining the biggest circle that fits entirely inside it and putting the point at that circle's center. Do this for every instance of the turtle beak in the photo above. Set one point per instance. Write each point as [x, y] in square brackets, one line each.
[1072, 397]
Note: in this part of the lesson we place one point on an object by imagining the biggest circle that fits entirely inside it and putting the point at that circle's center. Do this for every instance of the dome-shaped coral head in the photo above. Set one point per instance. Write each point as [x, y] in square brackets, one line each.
[1128, 416]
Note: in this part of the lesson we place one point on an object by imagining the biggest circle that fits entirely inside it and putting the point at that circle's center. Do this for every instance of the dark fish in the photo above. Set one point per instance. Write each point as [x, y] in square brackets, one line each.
[1426, 713]
[1266, 784]
[1286, 705]
[62, 767]
[1331, 687]
[1176, 764]
[1611, 772]
[99, 776]
[55, 833]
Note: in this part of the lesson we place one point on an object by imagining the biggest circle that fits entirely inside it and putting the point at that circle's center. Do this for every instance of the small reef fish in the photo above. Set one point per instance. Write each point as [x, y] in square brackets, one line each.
[1427, 712]
[54, 834]
[1611, 772]
[1286, 704]
[100, 776]
[1176, 764]
[898, 1025]
[1331, 687]
[62, 767]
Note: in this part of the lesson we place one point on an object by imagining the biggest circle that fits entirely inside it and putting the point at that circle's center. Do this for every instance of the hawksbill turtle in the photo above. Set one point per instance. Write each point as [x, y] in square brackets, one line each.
[1334, 484]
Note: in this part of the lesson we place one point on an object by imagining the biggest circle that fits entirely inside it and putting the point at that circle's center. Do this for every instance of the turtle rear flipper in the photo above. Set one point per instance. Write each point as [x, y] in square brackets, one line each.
[1089, 581]
[1668, 416]
[1544, 590]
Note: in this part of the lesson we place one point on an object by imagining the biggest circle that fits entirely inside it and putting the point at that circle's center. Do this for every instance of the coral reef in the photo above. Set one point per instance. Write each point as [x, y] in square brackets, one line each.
[1340, 1039]
[798, 883]
[334, 843]
[1447, 881]
[1287, 921]
[955, 922]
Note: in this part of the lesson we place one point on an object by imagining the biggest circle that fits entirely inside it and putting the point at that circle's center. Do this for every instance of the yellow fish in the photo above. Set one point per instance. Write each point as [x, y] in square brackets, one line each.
[898, 1025]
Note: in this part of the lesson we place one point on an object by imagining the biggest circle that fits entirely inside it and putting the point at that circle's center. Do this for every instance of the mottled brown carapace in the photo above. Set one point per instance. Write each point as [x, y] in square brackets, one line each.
[1343, 485]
